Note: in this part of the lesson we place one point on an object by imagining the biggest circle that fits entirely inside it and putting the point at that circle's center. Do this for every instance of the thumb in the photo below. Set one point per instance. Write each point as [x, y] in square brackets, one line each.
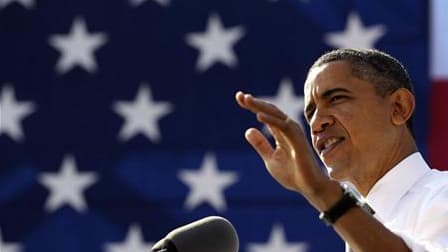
[259, 142]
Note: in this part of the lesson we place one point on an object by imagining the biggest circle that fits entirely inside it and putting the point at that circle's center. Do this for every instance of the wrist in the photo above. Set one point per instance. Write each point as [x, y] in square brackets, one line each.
[328, 194]
[349, 199]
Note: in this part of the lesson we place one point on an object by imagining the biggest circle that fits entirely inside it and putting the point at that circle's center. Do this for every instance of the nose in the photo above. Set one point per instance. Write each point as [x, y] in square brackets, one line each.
[320, 121]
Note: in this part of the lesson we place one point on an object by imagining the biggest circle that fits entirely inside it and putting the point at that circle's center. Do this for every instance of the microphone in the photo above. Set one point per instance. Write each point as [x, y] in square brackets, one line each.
[212, 233]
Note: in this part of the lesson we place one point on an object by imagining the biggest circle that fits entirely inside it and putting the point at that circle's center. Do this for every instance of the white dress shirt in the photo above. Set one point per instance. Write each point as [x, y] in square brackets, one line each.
[411, 200]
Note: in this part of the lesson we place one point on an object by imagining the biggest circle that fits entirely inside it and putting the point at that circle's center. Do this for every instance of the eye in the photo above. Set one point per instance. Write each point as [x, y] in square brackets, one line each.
[309, 111]
[336, 98]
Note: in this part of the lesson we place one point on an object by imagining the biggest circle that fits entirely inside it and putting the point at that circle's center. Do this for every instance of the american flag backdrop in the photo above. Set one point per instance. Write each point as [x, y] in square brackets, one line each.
[118, 120]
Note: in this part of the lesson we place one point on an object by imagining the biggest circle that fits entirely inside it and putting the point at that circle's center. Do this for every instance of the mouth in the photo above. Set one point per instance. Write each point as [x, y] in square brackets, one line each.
[329, 144]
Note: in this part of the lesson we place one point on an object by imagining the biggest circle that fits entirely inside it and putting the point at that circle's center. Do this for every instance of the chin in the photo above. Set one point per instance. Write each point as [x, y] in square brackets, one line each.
[336, 173]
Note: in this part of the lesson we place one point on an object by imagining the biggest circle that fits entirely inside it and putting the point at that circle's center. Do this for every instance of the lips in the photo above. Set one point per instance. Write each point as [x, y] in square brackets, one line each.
[328, 144]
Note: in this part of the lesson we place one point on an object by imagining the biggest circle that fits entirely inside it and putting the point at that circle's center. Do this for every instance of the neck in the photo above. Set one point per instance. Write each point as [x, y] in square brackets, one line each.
[395, 154]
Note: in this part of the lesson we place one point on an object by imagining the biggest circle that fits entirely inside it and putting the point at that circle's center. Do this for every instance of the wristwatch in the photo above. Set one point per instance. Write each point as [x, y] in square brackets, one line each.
[349, 199]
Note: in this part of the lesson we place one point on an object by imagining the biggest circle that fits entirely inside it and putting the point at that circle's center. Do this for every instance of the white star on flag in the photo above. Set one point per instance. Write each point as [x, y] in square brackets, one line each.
[67, 186]
[25, 3]
[355, 34]
[215, 44]
[12, 112]
[277, 242]
[77, 48]
[142, 115]
[163, 3]
[133, 242]
[8, 246]
[286, 100]
[207, 184]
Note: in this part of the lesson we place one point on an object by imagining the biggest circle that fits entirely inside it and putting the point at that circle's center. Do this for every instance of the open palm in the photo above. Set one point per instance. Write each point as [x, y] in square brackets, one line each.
[291, 161]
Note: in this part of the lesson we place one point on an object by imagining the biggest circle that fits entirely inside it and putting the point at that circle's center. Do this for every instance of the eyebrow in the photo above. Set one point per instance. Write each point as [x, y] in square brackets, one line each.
[326, 94]
[330, 92]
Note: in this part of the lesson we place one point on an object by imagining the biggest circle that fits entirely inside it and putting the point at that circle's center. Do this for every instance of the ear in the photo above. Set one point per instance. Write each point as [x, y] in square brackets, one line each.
[403, 105]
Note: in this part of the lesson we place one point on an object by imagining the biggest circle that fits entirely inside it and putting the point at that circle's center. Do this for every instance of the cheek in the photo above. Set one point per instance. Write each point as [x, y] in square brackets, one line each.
[347, 119]
[361, 126]
[365, 127]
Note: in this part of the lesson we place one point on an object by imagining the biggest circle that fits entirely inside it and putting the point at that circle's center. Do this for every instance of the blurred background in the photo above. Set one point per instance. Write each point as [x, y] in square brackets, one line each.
[118, 120]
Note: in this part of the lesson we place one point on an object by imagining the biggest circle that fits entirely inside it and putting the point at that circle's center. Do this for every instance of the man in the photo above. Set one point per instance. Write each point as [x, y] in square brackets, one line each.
[358, 104]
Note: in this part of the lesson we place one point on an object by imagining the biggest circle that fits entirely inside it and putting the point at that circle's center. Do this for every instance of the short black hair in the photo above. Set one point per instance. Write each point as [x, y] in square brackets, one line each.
[376, 67]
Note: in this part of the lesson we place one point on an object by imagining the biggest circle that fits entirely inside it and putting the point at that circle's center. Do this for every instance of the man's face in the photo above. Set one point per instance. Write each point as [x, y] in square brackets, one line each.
[349, 122]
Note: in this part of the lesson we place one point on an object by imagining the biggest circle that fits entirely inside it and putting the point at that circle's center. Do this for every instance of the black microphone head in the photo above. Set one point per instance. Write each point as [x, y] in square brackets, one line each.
[209, 234]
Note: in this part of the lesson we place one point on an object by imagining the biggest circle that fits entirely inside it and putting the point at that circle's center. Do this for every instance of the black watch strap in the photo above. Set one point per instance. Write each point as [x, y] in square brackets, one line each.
[348, 201]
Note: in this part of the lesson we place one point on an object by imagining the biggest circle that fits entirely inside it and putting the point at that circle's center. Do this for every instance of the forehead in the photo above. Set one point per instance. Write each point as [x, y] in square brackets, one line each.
[328, 75]
[334, 75]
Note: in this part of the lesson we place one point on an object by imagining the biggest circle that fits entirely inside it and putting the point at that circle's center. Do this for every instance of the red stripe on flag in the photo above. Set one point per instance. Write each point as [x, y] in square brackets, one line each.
[438, 125]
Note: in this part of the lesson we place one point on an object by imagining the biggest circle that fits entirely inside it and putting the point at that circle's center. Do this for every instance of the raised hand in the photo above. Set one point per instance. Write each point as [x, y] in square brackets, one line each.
[291, 161]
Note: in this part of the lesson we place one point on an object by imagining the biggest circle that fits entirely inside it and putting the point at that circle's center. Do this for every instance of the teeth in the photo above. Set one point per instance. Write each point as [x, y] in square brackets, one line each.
[330, 141]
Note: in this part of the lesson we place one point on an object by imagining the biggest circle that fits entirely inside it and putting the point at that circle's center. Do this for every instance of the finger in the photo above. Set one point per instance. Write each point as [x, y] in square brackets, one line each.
[255, 105]
[271, 121]
[280, 139]
[287, 129]
[242, 98]
[239, 97]
[258, 105]
[259, 142]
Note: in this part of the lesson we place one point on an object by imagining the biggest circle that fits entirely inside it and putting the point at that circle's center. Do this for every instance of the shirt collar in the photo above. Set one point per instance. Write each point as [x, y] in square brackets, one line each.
[387, 191]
